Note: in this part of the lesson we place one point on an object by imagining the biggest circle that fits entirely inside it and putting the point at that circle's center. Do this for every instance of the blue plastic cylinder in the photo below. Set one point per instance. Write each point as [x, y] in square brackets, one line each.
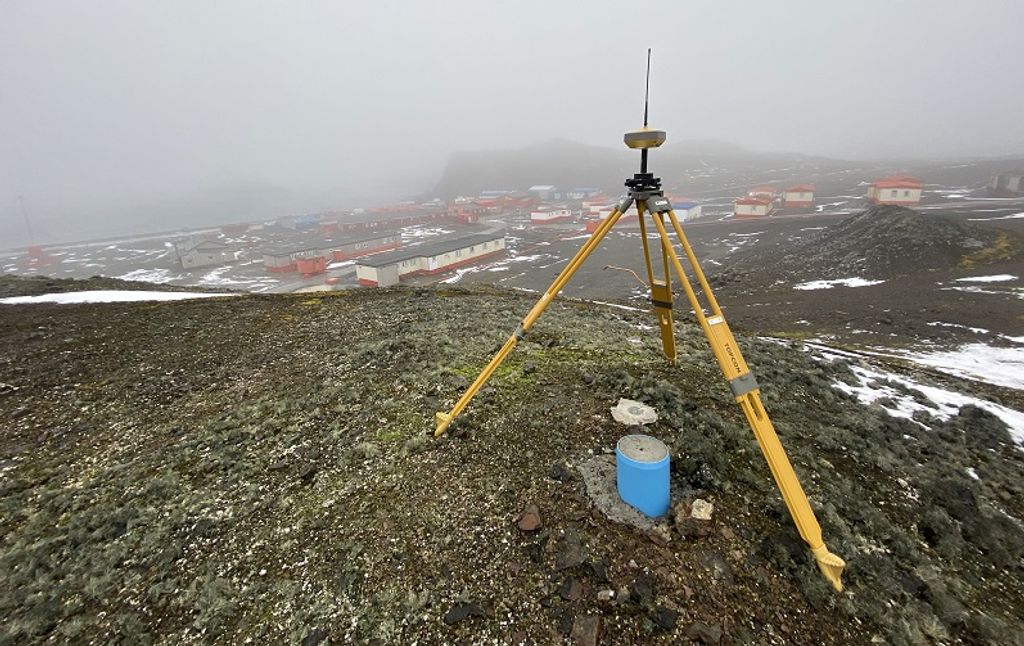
[642, 473]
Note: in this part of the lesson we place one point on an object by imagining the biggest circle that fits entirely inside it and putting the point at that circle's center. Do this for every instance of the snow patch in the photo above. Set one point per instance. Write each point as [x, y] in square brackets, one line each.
[844, 282]
[941, 403]
[975, 289]
[976, 330]
[978, 361]
[995, 278]
[1014, 216]
[106, 296]
[157, 276]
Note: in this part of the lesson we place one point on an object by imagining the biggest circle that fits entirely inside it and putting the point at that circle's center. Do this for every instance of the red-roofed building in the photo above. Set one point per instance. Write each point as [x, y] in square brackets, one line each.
[753, 207]
[762, 191]
[467, 211]
[898, 189]
[798, 197]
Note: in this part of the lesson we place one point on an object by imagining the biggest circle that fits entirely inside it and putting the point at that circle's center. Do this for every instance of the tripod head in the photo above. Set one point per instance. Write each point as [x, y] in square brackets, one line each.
[643, 184]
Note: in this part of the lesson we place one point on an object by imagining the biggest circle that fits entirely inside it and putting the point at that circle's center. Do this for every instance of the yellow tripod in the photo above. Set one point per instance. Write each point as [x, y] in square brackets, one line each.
[645, 192]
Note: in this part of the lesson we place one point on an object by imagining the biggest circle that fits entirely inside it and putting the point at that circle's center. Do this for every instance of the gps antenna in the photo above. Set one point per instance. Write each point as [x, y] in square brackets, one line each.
[647, 85]
[645, 137]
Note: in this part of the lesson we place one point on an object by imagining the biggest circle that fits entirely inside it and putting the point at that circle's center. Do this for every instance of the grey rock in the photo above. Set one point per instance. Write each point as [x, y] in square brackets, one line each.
[315, 636]
[279, 465]
[665, 617]
[571, 551]
[308, 472]
[642, 589]
[571, 589]
[586, 630]
[599, 569]
[561, 472]
[461, 612]
[705, 633]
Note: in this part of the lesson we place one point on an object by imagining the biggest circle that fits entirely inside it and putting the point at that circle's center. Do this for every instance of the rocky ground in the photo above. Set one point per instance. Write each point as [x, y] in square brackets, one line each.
[259, 469]
[924, 285]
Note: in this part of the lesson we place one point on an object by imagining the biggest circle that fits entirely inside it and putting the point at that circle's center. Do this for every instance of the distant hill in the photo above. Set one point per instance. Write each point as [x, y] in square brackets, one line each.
[567, 164]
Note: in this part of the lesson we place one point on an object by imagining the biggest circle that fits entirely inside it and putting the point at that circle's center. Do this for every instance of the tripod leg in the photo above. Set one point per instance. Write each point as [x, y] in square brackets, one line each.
[747, 394]
[444, 419]
[661, 290]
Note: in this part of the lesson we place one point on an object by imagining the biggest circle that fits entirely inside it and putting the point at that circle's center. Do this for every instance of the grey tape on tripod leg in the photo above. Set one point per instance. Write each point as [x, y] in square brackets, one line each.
[625, 204]
[743, 384]
[520, 333]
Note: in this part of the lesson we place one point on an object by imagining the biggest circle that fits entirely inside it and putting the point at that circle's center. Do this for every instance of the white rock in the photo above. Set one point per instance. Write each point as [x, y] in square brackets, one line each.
[631, 413]
[701, 509]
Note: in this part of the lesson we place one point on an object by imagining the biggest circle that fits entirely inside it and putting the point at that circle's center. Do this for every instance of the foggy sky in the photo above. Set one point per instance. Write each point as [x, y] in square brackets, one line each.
[106, 104]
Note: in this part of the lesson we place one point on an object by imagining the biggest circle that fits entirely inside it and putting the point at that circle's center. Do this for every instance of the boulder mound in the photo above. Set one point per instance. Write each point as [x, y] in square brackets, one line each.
[879, 243]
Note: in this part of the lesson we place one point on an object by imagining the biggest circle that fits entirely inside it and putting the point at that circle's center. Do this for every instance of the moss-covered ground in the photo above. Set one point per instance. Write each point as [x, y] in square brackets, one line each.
[261, 469]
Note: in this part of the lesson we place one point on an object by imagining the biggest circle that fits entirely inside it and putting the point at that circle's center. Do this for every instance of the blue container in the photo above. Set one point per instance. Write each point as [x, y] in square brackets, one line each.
[641, 464]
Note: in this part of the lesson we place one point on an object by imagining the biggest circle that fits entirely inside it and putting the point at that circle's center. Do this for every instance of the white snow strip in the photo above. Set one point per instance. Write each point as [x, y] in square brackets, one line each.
[106, 296]
[974, 289]
[976, 330]
[845, 282]
[146, 275]
[978, 361]
[459, 273]
[995, 278]
[1015, 216]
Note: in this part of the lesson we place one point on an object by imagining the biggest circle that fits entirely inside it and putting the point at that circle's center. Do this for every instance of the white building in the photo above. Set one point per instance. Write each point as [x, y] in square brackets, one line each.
[798, 197]
[684, 211]
[753, 207]
[544, 192]
[386, 269]
[1006, 185]
[206, 253]
[687, 211]
[547, 216]
[900, 189]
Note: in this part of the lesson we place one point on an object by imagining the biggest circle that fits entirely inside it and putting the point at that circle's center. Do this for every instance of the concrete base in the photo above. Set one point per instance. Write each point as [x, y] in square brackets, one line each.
[599, 476]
